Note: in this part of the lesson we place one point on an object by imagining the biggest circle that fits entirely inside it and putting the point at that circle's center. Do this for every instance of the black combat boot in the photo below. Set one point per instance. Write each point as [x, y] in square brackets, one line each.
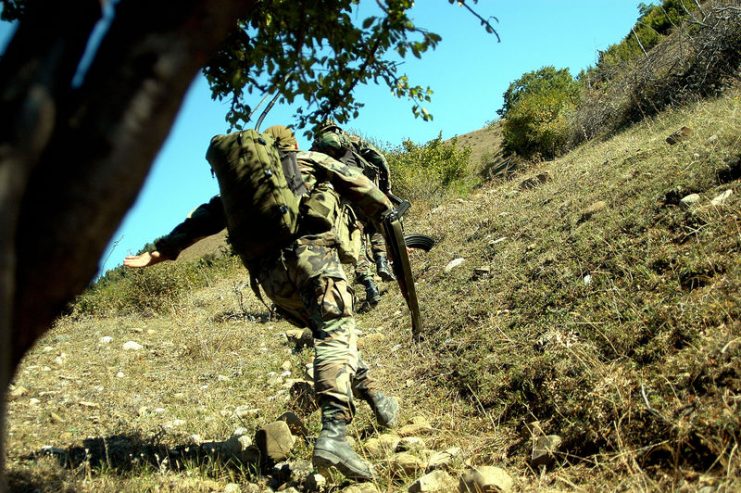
[332, 450]
[383, 268]
[372, 294]
[385, 408]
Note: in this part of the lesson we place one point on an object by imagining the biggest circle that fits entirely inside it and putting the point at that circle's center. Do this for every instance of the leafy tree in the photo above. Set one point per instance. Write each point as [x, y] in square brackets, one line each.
[79, 145]
[535, 111]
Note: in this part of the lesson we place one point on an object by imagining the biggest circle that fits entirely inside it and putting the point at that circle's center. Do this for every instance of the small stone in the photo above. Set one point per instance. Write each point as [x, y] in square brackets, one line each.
[275, 441]
[232, 488]
[315, 483]
[497, 241]
[286, 366]
[533, 429]
[434, 482]
[159, 410]
[120, 374]
[361, 488]
[299, 338]
[453, 264]
[132, 346]
[690, 200]
[407, 464]
[482, 272]
[175, 423]
[410, 444]
[535, 181]
[18, 391]
[712, 139]
[222, 378]
[441, 460]
[587, 279]
[418, 426]
[245, 411]
[544, 449]
[722, 198]
[680, 135]
[486, 479]
[382, 445]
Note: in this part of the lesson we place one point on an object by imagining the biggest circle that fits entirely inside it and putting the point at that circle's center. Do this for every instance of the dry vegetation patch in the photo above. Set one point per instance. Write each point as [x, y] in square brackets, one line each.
[594, 302]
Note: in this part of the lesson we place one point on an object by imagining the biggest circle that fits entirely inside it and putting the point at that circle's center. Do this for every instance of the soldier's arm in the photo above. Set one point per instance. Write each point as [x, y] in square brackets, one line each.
[375, 157]
[208, 219]
[352, 185]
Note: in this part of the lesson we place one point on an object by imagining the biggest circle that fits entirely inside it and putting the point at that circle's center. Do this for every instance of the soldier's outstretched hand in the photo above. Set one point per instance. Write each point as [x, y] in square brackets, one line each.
[146, 259]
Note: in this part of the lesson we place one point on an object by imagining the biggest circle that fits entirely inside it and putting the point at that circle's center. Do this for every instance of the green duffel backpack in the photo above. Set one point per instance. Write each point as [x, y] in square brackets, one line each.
[261, 210]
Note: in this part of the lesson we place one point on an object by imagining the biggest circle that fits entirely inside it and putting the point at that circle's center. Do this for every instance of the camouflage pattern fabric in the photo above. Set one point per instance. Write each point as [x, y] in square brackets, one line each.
[365, 268]
[308, 285]
[306, 281]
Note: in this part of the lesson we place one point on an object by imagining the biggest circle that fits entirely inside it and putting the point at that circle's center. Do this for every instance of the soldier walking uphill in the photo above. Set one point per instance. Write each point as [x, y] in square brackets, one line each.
[305, 280]
[359, 153]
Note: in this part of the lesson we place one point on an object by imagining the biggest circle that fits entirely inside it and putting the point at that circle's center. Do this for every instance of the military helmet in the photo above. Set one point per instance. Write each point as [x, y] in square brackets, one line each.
[284, 138]
[329, 124]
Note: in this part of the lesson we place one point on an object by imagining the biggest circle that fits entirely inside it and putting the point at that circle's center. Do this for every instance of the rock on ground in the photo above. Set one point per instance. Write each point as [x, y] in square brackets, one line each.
[485, 479]
[434, 482]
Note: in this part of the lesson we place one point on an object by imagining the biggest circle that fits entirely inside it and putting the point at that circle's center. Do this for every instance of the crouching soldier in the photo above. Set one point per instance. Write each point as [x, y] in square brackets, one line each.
[305, 280]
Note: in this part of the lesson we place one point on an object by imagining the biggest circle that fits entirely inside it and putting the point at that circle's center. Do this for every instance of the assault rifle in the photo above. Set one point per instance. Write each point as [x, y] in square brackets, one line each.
[396, 246]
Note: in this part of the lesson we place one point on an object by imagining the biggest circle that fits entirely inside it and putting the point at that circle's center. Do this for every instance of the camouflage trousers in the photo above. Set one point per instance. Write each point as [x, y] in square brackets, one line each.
[309, 287]
[364, 268]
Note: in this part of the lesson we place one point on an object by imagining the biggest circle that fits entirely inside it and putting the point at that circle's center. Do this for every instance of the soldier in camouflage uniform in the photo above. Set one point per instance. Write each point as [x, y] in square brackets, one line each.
[306, 282]
[359, 153]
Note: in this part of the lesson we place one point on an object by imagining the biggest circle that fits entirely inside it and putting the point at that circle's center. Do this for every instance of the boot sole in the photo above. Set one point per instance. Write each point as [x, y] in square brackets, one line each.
[323, 460]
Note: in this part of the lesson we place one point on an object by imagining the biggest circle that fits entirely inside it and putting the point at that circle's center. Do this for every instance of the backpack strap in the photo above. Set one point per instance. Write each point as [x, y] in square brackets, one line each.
[255, 286]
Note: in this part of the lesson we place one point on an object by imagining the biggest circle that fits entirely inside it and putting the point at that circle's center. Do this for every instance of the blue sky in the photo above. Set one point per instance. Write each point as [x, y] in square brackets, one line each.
[468, 72]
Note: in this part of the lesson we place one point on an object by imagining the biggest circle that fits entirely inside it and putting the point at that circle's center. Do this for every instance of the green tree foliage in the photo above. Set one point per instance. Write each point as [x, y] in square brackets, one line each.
[428, 171]
[535, 111]
[320, 51]
[315, 50]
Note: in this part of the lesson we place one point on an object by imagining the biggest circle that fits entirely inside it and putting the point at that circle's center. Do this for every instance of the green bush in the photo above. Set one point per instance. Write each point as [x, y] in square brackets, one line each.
[536, 113]
[429, 171]
[150, 291]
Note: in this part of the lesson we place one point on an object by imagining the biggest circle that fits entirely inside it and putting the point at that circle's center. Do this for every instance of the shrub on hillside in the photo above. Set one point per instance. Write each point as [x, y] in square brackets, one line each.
[151, 291]
[653, 25]
[536, 112]
[696, 60]
[429, 171]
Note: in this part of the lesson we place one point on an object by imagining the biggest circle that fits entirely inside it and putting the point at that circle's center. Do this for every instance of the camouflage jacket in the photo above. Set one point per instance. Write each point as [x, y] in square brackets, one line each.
[372, 155]
[355, 151]
[351, 185]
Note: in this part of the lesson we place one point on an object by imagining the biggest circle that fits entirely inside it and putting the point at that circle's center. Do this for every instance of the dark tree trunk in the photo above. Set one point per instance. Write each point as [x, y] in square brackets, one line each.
[72, 160]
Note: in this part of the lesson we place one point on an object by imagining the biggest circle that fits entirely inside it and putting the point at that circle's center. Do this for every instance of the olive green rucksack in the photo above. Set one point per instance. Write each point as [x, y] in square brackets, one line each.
[261, 209]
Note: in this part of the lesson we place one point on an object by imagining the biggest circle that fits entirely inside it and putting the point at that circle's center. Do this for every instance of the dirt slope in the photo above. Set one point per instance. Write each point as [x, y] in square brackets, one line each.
[590, 298]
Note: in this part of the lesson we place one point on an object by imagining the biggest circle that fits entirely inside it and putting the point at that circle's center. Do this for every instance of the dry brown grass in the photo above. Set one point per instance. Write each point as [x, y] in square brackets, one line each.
[638, 370]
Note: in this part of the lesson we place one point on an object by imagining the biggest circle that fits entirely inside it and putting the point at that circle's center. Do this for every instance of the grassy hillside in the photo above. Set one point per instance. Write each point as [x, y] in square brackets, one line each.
[590, 300]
